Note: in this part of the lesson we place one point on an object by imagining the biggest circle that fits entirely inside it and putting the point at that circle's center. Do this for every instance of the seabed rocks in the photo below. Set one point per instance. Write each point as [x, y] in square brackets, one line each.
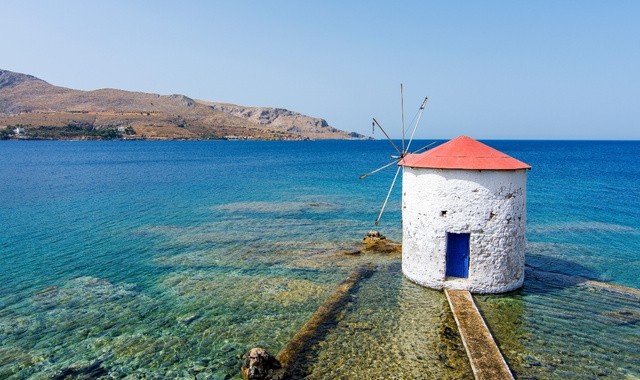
[375, 242]
[623, 316]
[258, 364]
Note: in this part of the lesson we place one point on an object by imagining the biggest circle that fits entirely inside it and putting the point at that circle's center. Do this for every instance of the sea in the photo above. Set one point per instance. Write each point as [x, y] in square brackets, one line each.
[171, 259]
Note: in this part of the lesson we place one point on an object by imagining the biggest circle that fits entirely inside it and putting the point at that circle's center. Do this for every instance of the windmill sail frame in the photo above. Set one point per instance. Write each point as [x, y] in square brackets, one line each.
[401, 153]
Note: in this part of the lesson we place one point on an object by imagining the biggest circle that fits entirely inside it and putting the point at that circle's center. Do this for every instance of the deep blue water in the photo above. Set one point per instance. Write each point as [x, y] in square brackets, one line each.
[113, 249]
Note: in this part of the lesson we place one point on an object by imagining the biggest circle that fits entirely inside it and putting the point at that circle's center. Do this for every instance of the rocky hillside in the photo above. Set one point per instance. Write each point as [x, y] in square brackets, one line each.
[33, 108]
[293, 122]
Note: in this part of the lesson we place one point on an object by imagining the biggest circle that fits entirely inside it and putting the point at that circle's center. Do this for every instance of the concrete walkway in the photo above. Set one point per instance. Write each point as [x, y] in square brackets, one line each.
[485, 357]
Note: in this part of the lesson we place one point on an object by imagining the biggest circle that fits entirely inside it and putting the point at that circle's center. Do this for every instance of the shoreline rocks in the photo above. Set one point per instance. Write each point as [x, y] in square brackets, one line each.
[375, 242]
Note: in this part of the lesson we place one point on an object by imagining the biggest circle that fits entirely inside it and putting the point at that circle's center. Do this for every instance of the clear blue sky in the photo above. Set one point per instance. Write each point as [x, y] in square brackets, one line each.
[492, 69]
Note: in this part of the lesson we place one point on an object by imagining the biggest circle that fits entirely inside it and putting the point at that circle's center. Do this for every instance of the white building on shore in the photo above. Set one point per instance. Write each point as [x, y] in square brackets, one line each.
[464, 217]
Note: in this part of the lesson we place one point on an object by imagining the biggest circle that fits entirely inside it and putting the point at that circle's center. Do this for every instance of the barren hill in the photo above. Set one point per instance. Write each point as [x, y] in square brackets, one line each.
[37, 109]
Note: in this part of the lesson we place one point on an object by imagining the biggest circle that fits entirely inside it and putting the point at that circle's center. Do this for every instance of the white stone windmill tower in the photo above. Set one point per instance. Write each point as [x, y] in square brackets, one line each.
[463, 216]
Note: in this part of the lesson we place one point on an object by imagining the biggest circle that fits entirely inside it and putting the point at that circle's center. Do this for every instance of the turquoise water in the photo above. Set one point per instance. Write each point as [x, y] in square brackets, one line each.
[171, 259]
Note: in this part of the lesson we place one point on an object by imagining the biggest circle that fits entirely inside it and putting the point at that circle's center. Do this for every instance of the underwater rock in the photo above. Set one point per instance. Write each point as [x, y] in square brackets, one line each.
[623, 316]
[275, 207]
[83, 291]
[13, 360]
[17, 325]
[319, 204]
[617, 290]
[373, 237]
[90, 371]
[187, 319]
[235, 291]
[375, 242]
[258, 364]
[531, 361]
[565, 280]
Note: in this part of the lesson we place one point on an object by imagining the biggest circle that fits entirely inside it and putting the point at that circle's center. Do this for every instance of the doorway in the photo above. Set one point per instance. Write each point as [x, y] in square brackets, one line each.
[457, 255]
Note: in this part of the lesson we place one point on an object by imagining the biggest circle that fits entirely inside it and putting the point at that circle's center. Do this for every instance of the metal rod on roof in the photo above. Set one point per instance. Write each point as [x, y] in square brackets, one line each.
[424, 147]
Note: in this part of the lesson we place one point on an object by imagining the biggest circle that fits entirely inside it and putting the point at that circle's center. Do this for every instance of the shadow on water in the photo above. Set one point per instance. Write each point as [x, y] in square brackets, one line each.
[560, 325]
[508, 314]
[555, 273]
[545, 274]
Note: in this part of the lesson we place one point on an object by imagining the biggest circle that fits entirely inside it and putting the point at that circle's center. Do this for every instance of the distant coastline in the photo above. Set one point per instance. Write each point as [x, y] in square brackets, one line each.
[75, 131]
[33, 109]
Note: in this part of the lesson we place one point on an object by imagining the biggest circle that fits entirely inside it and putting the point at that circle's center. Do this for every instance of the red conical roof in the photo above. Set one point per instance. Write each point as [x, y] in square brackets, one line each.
[463, 153]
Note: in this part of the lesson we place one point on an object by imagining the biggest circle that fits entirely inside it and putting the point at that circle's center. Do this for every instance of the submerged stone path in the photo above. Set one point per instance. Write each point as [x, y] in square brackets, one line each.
[293, 353]
[486, 360]
[484, 356]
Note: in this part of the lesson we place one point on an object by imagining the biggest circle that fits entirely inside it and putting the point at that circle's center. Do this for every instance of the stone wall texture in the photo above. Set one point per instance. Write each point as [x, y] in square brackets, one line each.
[490, 205]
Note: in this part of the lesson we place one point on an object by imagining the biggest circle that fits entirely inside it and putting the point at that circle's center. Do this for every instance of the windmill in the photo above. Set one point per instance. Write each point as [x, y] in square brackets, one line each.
[401, 152]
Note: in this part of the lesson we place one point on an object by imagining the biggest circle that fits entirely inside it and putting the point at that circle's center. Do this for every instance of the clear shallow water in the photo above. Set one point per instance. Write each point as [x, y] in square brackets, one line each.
[172, 259]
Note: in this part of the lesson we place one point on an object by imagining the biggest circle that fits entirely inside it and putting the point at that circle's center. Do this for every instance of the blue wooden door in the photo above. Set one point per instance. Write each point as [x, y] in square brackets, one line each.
[457, 255]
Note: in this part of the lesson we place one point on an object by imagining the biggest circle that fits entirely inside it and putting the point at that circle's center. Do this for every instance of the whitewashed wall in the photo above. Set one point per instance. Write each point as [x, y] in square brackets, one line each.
[488, 204]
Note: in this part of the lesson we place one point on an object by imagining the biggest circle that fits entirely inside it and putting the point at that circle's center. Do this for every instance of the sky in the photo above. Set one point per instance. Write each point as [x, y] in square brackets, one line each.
[491, 69]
